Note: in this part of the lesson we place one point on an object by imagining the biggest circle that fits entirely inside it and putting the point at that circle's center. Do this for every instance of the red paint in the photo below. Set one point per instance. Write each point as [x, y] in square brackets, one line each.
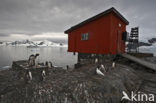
[104, 36]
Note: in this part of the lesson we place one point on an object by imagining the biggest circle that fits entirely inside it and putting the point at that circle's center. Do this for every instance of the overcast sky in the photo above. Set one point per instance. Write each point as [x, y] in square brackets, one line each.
[48, 19]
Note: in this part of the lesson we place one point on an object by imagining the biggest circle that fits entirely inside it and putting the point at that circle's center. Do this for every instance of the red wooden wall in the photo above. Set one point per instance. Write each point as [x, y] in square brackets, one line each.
[102, 36]
[117, 45]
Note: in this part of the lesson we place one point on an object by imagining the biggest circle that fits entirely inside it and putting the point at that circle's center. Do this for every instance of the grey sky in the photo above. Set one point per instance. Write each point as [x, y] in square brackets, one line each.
[34, 19]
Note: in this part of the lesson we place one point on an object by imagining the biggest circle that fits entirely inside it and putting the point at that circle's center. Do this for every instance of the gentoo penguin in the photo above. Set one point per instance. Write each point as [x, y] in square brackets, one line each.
[32, 59]
[50, 65]
[99, 72]
[36, 62]
[113, 64]
[114, 61]
[28, 76]
[103, 67]
[96, 60]
[46, 63]
[67, 67]
[43, 74]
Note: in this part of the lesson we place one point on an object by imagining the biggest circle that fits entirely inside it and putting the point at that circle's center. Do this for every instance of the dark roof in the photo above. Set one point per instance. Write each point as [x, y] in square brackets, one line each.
[96, 17]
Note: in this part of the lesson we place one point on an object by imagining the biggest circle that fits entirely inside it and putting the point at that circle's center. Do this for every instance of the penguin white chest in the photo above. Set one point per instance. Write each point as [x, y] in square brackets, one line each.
[30, 75]
[113, 65]
[43, 73]
[96, 60]
[99, 72]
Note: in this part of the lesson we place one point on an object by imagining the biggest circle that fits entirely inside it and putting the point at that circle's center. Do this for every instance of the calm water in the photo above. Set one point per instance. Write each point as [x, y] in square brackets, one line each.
[58, 55]
[150, 49]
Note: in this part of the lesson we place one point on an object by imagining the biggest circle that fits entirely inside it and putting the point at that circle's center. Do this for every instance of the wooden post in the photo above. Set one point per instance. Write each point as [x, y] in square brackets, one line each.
[79, 58]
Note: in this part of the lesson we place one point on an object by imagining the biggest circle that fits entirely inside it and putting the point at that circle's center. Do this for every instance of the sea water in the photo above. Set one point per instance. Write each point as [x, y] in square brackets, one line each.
[57, 55]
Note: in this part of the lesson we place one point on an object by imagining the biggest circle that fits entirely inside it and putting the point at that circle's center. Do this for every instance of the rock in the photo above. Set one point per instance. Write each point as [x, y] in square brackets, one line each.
[81, 85]
[150, 59]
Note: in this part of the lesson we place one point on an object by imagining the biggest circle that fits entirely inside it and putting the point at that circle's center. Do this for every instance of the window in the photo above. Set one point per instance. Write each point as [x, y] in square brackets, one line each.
[84, 36]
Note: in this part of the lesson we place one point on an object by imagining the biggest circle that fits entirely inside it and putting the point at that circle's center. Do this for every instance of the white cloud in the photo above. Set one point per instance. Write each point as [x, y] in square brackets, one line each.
[50, 18]
[49, 35]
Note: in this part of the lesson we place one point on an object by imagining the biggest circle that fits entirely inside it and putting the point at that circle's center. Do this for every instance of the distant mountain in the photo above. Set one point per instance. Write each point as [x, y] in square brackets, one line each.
[29, 43]
[150, 42]
[45, 43]
[149, 47]
[153, 40]
[144, 44]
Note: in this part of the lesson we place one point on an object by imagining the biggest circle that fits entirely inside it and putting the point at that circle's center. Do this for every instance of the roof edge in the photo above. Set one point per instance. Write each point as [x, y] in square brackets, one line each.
[96, 17]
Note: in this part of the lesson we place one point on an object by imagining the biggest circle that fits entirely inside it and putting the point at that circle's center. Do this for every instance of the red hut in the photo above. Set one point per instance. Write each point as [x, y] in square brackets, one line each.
[104, 33]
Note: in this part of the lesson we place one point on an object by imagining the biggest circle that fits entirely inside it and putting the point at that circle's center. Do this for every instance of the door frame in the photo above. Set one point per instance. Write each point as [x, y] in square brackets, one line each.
[118, 42]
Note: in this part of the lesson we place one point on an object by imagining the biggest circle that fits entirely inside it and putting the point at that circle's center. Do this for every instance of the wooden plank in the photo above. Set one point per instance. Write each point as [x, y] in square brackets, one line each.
[140, 61]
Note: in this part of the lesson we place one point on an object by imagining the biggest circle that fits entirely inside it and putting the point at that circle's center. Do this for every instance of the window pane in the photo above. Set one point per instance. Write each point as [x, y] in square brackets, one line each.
[84, 36]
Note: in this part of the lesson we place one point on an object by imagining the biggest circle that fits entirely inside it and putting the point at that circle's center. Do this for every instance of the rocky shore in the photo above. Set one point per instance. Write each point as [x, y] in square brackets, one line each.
[80, 85]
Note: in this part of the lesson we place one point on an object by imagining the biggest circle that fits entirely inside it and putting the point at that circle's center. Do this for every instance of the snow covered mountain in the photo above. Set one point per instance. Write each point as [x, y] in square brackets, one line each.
[149, 46]
[148, 49]
[29, 43]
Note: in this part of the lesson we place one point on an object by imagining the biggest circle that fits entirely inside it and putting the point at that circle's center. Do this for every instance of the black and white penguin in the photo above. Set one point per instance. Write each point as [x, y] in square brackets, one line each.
[114, 61]
[103, 68]
[98, 71]
[96, 60]
[67, 67]
[43, 75]
[50, 64]
[28, 76]
[113, 64]
[46, 63]
[32, 60]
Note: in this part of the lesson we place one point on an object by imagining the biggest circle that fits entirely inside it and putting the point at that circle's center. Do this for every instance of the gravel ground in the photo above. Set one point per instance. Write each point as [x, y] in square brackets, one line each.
[81, 85]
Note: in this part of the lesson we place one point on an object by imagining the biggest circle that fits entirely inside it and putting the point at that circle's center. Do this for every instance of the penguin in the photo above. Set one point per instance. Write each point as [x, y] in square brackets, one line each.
[103, 67]
[32, 59]
[67, 67]
[36, 55]
[113, 64]
[96, 60]
[114, 61]
[43, 75]
[46, 63]
[50, 65]
[30, 75]
[99, 72]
